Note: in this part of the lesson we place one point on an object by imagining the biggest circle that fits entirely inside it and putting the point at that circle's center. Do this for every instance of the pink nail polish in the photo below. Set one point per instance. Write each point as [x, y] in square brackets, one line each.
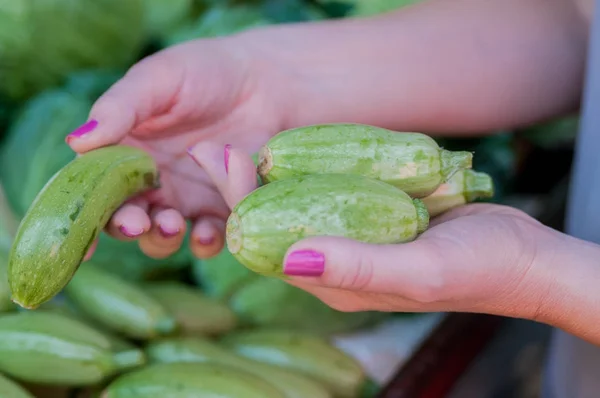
[167, 233]
[129, 233]
[227, 148]
[304, 263]
[206, 241]
[83, 130]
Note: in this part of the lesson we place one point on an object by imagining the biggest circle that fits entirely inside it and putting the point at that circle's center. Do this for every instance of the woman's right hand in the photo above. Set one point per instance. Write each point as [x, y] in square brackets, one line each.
[203, 94]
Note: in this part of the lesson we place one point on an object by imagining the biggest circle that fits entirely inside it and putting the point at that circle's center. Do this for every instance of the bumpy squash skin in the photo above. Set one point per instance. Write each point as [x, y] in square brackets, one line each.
[269, 220]
[202, 350]
[410, 161]
[68, 215]
[118, 304]
[49, 348]
[307, 354]
[185, 380]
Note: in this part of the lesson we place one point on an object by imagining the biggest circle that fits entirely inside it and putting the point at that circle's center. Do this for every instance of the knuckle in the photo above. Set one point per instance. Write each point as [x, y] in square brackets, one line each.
[357, 276]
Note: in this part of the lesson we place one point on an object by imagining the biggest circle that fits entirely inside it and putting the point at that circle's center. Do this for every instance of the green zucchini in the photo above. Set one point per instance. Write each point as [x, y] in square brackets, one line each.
[220, 276]
[195, 313]
[410, 161]
[464, 187]
[119, 305]
[187, 380]
[6, 304]
[67, 216]
[304, 353]
[53, 349]
[10, 389]
[66, 308]
[269, 220]
[293, 384]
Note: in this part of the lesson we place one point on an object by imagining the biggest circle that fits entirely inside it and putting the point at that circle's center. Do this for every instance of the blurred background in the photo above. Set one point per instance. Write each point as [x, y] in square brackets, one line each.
[57, 57]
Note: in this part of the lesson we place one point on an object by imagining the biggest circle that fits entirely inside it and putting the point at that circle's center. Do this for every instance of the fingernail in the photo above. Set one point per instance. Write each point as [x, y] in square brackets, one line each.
[83, 130]
[191, 153]
[304, 263]
[227, 148]
[167, 233]
[206, 241]
[130, 234]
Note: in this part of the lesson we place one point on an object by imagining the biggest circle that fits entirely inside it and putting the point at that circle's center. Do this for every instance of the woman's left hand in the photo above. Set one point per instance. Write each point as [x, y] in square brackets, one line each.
[477, 258]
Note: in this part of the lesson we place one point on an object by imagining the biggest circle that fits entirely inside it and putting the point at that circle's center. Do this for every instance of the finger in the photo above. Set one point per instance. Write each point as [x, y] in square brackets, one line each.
[232, 170]
[166, 234]
[241, 175]
[130, 222]
[207, 237]
[409, 269]
[132, 100]
[474, 209]
[353, 301]
[90, 252]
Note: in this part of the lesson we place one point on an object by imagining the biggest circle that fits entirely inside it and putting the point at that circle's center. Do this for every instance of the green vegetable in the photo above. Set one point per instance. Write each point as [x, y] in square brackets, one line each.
[220, 20]
[67, 216]
[187, 380]
[273, 217]
[292, 11]
[412, 162]
[5, 303]
[164, 16]
[49, 348]
[43, 41]
[118, 304]
[367, 8]
[195, 313]
[35, 148]
[8, 223]
[270, 302]
[129, 262]
[464, 187]
[92, 83]
[202, 350]
[64, 307]
[10, 389]
[309, 355]
[221, 275]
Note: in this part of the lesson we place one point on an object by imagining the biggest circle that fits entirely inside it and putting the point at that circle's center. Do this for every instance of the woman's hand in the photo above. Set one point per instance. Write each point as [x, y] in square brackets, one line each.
[211, 92]
[478, 258]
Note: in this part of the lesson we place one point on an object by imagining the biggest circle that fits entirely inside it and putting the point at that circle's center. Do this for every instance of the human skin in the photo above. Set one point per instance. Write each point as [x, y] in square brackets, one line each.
[467, 66]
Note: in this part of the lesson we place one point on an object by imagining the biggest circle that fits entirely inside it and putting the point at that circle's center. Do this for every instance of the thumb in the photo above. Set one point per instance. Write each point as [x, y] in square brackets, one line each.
[409, 269]
[146, 90]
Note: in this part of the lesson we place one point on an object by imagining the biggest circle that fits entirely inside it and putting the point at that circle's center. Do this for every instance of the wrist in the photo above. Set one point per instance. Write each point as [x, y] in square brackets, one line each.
[564, 287]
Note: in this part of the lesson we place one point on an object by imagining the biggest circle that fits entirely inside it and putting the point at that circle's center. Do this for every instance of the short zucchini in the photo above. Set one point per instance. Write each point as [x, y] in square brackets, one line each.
[53, 349]
[186, 380]
[310, 355]
[194, 313]
[202, 350]
[269, 220]
[119, 305]
[410, 161]
[67, 216]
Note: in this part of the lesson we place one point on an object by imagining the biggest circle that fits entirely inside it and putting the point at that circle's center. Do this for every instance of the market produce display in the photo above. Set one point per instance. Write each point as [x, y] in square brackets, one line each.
[124, 325]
